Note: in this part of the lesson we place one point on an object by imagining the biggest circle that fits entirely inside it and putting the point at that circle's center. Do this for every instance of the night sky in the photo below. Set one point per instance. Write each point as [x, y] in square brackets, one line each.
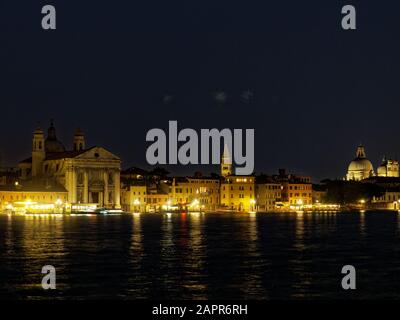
[117, 69]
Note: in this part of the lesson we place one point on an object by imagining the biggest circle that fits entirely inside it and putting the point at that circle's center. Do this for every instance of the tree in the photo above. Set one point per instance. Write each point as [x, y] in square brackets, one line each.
[350, 192]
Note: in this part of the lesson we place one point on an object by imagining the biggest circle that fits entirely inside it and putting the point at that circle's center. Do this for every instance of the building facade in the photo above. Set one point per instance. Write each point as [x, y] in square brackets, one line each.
[296, 189]
[238, 193]
[90, 175]
[388, 168]
[32, 196]
[268, 195]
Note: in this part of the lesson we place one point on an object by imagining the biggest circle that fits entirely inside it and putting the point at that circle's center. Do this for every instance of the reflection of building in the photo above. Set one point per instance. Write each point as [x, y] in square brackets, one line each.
[90, 175]
[360, 168]
[388, 168]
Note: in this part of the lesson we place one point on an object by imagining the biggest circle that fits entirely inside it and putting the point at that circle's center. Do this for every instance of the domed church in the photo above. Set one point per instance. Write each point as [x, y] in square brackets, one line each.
[360, 168]
[89, 175]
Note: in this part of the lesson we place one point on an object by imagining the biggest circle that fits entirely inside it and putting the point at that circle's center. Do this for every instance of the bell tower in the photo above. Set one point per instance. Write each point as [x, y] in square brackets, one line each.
[226, 163]
[79, 140]
[38, 152]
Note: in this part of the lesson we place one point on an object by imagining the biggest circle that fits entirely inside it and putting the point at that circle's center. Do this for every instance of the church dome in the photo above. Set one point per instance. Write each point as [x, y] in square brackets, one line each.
[361, 165]
[52, 144]
[360, 168]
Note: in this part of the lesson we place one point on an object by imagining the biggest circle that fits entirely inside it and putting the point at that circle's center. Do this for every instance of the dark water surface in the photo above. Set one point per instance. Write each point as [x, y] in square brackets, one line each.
[201, 256]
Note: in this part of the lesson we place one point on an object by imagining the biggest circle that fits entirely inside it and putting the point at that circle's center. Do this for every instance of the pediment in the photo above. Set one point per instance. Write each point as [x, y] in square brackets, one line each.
[97, 153]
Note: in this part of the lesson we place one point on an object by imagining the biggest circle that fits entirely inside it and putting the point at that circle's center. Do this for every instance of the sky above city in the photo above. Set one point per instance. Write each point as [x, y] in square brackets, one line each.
[311, 90]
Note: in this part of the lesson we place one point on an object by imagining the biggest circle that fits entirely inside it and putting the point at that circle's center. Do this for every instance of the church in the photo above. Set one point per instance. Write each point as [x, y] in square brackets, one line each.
[89, 175]
[361, 168]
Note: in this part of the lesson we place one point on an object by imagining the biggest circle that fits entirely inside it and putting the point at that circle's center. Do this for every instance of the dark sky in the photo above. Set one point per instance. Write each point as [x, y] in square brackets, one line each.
[318, 90]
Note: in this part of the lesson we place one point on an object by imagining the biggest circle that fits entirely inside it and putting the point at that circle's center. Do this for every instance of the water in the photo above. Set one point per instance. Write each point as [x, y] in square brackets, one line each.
[201, 256]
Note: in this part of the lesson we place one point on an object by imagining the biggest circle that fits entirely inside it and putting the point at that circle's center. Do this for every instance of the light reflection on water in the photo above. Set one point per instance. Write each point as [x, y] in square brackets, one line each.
[200, 256]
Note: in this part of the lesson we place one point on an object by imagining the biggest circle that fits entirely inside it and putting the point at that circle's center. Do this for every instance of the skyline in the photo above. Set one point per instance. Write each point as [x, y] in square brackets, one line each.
[212, 168]
[311, 91]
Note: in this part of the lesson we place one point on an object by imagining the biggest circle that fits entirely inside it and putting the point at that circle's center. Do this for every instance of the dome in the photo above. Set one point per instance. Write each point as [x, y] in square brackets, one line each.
[52, 144]
[360, 168]
[361, 165]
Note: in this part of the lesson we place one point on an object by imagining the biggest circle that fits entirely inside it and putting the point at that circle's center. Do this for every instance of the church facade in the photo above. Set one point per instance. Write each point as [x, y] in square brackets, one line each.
[89, 175]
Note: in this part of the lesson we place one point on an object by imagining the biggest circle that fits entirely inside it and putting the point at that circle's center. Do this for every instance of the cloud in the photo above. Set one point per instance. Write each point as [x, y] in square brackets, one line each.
[220, 96]
[167, 98]
[247, 96]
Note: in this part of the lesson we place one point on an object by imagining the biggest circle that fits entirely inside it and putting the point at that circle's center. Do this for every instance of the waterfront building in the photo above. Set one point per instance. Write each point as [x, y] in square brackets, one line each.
[319, 193]
[90, 175]
[388, 168]
[360, 167]
[238, 193]
[390, 200]
[195, 192]
[184, 193]
[156, 202]
[134, 197]
[296, 189]
[34, 196]
[268, 195]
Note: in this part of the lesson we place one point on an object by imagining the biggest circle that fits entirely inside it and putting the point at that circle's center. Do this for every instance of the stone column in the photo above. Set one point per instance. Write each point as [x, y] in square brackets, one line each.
[117, 189]
[85, 187]
[68, 183]
[73, 185]
[105, 177]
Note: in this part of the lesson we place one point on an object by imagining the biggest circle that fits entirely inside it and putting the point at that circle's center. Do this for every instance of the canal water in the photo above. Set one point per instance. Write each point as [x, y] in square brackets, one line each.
[201, 256]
